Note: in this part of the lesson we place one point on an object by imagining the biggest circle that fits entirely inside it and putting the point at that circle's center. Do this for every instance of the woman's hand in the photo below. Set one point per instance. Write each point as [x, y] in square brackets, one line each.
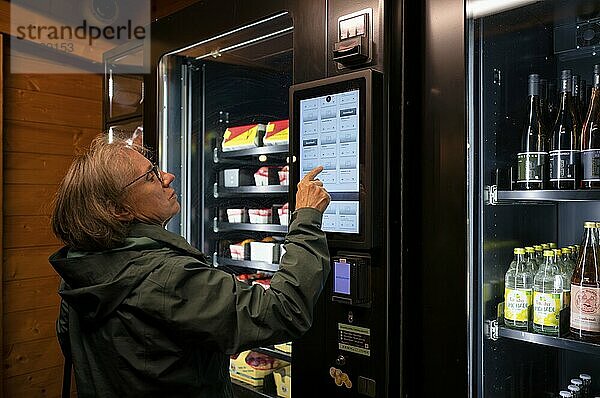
[311, 192]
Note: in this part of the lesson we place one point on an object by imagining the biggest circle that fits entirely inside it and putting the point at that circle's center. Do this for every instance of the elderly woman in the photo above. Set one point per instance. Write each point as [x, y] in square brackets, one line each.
[143, 314]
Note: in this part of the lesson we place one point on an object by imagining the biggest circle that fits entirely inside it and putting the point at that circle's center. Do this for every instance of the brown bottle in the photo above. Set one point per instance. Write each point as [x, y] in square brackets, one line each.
[585, 289]
[590, 138]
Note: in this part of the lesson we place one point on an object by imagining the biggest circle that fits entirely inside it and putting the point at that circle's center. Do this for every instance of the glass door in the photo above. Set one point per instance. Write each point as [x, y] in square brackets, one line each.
[530, 80]
[223, 123]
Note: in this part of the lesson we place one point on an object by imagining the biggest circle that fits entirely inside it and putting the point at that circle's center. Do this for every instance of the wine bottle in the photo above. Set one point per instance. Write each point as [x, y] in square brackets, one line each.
[533, 158]
[590, 138]
[585, 289]
[583, 100]
[575, 95]
[565, 149]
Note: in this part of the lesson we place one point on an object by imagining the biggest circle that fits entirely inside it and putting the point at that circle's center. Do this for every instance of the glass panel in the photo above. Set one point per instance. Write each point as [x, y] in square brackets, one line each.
[224, 134]
[130, 130]
[527, 189]
[125, 93]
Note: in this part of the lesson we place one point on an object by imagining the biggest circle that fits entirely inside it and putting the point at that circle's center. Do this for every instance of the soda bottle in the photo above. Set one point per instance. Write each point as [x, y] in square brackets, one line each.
[539, 254]
[585, 289]
[518, 282]
[547, 296]
[531, 261]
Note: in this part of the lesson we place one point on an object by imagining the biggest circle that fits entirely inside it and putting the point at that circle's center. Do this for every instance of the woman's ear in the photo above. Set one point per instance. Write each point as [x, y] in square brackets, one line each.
[120, 212]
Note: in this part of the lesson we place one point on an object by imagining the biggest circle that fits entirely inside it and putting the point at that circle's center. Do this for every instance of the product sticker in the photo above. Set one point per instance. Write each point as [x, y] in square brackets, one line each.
[531, 166]
[354, 339]
[546, 307]
[563, 165]
[590, 160]
[516, 304]
[585, 308]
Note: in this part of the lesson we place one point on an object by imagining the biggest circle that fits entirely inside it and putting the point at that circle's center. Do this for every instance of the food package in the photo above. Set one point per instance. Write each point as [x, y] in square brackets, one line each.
[243, 137]
[236, 215]
[266, 176]
[284, 175]
[284, 214]
[260, 216]
[251, 367]
[240, 251]
[277, 133]
[285, 347]
[265, 283]
[283, 381]
[267, 252]
[236, 177]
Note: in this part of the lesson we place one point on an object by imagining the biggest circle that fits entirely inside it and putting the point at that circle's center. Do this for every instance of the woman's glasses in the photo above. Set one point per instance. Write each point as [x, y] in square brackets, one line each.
[154, 170]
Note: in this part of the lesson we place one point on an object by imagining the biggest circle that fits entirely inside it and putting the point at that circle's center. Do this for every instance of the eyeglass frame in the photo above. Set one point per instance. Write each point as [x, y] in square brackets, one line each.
[154, 170]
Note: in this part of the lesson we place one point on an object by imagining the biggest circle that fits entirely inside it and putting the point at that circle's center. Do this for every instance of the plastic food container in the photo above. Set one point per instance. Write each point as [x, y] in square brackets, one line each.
[236, 215]
[284, 214]
[260, 216]
[284, 176]
[267, 252]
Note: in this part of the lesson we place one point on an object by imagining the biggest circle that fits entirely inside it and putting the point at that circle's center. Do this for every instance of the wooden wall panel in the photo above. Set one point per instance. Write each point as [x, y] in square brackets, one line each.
[32, 137]
[29, 294]
[22, 200]
[26, 231]
[35, 168]
[44, 383]
[79, 86]
[30, 262]
[22, 326]
[32, 356]
[39, 107]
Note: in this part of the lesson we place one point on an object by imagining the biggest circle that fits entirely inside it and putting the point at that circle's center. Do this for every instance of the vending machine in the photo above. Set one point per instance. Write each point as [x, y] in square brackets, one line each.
[243, 99]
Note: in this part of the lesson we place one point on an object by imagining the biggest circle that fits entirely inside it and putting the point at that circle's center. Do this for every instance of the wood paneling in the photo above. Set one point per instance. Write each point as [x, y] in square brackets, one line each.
[22, 200]
[32, 106]
[45, 383]
[22, 326]
[29, 294]
[32, 137]
[24, 358]
[26, 231]
[25, 263]
[79, 86]
[35, 168]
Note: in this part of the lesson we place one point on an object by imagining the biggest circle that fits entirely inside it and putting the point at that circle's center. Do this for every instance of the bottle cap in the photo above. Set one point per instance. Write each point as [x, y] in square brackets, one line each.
[577, 382]
[566, 74]
[545, 246]
[557, 251]
[548, 253]
[573, 387]
[529, 249]
[565, 394]
[585, 377]
[538, 248]
[519, 250]
[589, 224]
[566, 250]
[597, 69]
[553, 245]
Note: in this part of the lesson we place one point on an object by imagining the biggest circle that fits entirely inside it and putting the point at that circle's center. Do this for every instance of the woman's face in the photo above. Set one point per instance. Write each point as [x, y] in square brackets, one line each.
[151, 201]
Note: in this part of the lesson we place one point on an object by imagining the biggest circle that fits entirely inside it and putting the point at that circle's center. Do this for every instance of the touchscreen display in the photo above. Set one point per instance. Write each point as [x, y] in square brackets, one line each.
[329, 136]
[341, 278]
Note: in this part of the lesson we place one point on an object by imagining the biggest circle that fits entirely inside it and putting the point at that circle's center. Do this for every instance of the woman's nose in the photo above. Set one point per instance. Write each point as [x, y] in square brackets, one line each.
[167, 178]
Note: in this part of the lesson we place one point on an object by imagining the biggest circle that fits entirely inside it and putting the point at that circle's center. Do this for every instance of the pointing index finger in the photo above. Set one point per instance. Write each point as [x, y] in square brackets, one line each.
[313, 173]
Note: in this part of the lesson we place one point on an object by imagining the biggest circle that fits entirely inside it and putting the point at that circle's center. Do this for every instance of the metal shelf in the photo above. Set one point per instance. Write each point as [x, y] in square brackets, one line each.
[262, 150]
[549, 341]
[243, 390]
[272, 228]
[226, 192]
[272, 351]
[549, 196]
[258, 265]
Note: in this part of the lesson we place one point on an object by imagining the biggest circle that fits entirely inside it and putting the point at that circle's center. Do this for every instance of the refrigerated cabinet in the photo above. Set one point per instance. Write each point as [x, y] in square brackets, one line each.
[504, 46]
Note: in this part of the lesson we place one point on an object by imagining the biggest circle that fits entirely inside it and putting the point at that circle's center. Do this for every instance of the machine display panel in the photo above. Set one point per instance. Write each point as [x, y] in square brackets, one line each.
[330, 136]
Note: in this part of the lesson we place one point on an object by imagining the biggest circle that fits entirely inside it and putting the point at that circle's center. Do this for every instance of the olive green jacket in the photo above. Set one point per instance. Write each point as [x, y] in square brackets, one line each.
[153, 319]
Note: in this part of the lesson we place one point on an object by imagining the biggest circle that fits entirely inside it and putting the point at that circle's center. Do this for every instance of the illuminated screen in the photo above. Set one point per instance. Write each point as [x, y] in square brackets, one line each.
[329, 137]
[341, 278]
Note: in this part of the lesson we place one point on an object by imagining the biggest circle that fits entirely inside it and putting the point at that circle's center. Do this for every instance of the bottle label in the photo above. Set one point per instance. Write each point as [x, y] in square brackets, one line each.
[563, 165]
[590, 160]
[546, 307]
[585, 308]
[531, 166]
[516, 304]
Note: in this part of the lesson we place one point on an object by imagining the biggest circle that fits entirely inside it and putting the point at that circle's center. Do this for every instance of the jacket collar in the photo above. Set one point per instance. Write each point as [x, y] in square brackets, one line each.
[159, 234]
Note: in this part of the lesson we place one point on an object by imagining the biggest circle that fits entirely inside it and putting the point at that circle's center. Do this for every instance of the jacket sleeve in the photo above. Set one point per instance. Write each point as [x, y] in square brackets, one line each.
[209, 306]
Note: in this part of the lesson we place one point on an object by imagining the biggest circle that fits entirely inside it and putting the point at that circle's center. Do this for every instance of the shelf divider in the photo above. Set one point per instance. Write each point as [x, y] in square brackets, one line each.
[258, 265]
[549, 196]
[550, 341]
[273, 228]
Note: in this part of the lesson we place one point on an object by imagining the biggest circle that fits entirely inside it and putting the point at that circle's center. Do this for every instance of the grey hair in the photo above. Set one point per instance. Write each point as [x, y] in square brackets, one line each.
[91, 194]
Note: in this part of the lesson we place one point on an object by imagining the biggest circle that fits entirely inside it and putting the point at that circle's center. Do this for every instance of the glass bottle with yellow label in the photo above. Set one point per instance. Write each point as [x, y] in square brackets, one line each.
[517, 292]
[547, 296]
